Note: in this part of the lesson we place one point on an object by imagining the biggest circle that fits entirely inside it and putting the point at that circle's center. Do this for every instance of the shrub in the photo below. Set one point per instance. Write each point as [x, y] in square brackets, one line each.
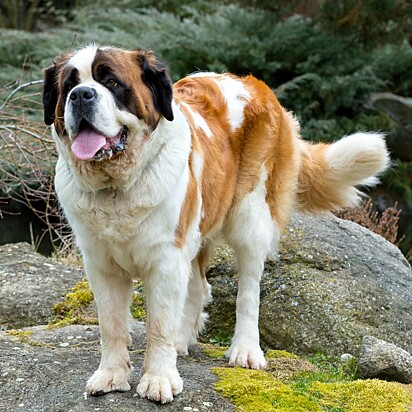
[384, 224]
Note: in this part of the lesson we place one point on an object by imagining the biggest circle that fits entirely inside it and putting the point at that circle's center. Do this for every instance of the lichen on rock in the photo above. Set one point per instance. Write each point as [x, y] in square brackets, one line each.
[328, 289]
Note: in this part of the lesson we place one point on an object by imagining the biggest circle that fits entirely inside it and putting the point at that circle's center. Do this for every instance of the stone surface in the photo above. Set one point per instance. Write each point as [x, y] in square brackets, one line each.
[335, 282]
[47, 371]
[400, 109]
[383, 360]
[30, 285]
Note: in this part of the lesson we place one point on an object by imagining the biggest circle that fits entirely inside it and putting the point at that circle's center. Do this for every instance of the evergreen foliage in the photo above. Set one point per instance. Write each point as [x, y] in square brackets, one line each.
[322, 66]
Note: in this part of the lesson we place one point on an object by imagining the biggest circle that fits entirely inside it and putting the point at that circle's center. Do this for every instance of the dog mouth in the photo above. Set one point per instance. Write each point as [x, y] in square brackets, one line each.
[91, 144]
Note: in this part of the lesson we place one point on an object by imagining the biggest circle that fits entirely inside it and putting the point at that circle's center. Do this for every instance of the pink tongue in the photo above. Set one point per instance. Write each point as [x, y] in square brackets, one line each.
[87, 144]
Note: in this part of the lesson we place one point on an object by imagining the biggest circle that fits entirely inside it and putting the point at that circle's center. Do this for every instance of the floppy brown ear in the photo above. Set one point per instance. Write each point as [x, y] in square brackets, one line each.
[50, 94]
[156, 77]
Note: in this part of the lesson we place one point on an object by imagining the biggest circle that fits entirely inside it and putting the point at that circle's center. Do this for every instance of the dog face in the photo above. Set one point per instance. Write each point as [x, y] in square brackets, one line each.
[103, 100]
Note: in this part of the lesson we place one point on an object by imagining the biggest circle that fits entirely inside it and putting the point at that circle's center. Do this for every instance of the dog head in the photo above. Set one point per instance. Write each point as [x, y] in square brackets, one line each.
[104, 100]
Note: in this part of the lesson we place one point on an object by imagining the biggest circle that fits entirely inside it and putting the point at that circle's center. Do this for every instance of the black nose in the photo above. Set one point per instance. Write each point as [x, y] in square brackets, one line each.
[82, 95]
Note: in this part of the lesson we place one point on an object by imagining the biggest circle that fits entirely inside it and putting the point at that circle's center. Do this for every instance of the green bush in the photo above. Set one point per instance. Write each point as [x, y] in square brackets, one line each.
[324, 76]
[323, 67]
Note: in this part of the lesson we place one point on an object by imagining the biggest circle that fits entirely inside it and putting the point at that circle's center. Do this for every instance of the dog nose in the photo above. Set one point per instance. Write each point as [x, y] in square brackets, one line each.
[82, 95]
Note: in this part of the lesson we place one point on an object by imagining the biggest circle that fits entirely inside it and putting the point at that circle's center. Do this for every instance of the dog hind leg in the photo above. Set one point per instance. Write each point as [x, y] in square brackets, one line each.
[253, 234]
[198, 295]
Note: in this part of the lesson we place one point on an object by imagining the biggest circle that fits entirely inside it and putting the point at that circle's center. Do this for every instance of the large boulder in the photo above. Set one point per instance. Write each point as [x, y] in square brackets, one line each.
[335, 282]
[30, 285]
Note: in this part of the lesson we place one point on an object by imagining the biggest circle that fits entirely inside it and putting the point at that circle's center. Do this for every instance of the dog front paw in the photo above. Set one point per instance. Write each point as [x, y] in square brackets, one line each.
[108, 380]
[247, 356]
[160, 388]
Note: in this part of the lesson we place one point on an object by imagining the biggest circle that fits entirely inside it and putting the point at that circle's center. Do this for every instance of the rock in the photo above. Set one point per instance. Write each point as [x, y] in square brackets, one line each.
[46, 370]
[335, 283]
[383, 360]
[347, 358]
[30, 285]
[400, 109]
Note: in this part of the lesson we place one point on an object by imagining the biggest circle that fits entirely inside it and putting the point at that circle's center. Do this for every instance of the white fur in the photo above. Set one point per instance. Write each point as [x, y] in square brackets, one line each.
[253, 234]
[204, 74]
[82, 60]
[129, 233]
[236, 97]
[199, 294]
[354, 160]
[199, 121]
[358, 156]
[193, 235]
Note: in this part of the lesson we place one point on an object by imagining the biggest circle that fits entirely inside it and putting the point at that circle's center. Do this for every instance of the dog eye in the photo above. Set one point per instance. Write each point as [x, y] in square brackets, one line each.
[112, 83]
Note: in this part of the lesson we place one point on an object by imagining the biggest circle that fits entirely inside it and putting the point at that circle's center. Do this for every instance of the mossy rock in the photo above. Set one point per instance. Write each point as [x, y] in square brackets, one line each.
[256, 391]
[334, 283]
[76, 308]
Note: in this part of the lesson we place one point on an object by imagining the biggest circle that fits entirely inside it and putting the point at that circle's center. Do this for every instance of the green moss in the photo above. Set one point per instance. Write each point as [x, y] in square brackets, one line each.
[214, 351]
[272, 353]
[364, 396]
[332, 369]
[72, 310]
[260, 391]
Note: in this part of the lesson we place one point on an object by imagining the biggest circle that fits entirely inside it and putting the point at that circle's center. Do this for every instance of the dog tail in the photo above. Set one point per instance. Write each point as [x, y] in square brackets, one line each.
[330, 172]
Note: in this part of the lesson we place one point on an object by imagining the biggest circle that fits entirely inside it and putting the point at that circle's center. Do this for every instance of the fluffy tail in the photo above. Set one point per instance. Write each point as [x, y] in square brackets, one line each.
[329, 173]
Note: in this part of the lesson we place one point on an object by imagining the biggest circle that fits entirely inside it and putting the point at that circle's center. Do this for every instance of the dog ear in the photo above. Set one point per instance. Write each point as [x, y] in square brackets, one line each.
[50, 94]
[156, 77]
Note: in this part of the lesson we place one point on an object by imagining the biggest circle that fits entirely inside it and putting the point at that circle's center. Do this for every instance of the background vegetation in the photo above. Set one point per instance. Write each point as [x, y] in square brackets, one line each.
[322, 58]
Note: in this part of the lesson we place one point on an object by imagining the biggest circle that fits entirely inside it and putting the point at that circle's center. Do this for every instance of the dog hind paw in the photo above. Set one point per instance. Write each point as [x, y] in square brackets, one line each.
[247, 357]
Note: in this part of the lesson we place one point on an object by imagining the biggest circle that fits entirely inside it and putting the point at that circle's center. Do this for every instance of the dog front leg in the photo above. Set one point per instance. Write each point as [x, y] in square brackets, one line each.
[112, 290]
[165, 289]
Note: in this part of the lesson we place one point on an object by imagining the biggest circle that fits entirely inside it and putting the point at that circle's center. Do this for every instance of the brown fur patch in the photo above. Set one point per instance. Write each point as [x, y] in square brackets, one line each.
[189, 207]
[203, 259]
[267, 140]
[233, 162]
[218, 180]
[127, 67]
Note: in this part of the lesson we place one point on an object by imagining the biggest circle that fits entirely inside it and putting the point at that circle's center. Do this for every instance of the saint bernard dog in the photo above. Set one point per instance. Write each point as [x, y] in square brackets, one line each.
[150, 174]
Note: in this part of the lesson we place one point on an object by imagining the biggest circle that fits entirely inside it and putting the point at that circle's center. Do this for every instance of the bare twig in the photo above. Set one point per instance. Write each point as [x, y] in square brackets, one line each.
[17, 89]
[27, 162]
